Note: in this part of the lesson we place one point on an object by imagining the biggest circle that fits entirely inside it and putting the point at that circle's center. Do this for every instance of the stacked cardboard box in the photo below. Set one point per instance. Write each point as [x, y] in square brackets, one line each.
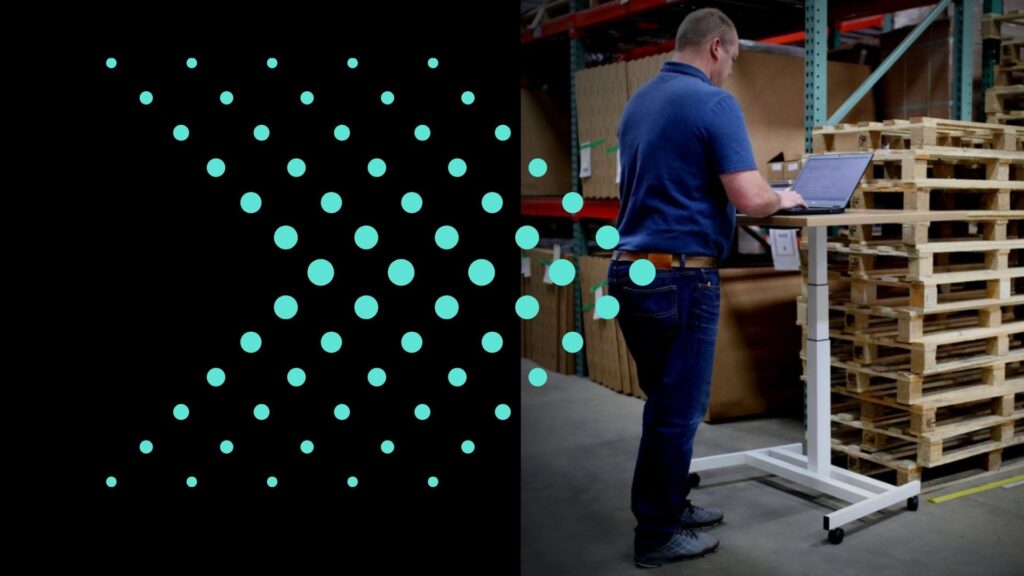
[600, 97]
[555, 318]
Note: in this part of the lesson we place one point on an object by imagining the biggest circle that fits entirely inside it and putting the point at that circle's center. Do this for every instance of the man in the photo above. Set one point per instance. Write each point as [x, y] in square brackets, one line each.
[687, 166]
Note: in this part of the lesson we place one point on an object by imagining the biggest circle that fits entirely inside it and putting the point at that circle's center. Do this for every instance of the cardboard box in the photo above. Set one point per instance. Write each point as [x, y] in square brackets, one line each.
[554, 319]
[757, 357]
[544, 134]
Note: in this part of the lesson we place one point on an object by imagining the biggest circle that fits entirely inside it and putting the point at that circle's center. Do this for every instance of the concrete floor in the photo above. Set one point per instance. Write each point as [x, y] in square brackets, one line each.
[579, 443]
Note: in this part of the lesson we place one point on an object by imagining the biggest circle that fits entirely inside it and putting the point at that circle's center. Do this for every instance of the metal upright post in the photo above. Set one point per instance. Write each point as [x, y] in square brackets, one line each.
[815, 69]
[963, 60]
[577, 61]
[989, 50]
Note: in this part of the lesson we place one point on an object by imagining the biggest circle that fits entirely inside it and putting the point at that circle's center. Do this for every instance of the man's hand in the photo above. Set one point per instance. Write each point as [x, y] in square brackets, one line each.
[789, 199]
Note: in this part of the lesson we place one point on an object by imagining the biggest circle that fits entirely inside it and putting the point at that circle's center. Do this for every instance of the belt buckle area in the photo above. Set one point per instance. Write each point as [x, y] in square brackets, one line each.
[661, 260]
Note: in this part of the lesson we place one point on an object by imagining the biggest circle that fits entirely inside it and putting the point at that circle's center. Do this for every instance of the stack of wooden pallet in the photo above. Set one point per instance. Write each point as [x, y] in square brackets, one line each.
[1004, 102]
[926, 321]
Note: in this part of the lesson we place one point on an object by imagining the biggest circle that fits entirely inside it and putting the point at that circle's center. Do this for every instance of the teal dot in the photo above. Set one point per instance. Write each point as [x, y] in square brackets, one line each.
[481, 272]
[286, 237]
[468, 447]
[180, 132]
[216, 167]
[111, 63]
[491, 342]
[422, 132]
[457, 377]
[538, 377]
[352, 63]
[432, 482]
[341, 132]
[607, 237]
[271, 63]
[412, 202]
[145, 447]
[607, 307]
[146, 97]
[366, 237]
[401, 272]
[306, 447]
[446, 307]
[261, 411]
[261, 133]
[387, 97]
[320, 272]
[572, 342]
[502, 132]
[306, 98]
[468, 98]
[111, 481]
[527, 307]
[296, 377]
[431, 62]
[572, 202]
[503, 412]
[538, 167]
[376, 167]
[641, 272]
[330, 342]
[457, 167]
[491, 202]
[296, 167]
[227, 446]
[422, 412]
[272, 481]
[446, 237]
[527, 237]
[181, 411]
[215, 377]
[342, 412]
[562, 272]
[331, 202]
[191, 63]
[191, 482]
[251, 202]
[366, 307]
[376, 377]
[286, 307]
[251, 342]
[226, 97]
[352, 480]
[387, 446]
[412, 342]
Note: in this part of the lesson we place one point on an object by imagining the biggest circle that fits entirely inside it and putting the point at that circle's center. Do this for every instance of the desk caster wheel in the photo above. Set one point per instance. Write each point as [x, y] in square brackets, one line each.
[694, 479]
[835, 535]
[913, 503]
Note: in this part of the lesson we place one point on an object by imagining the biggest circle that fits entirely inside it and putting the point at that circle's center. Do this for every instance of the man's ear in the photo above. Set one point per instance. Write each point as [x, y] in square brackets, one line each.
[716, 47]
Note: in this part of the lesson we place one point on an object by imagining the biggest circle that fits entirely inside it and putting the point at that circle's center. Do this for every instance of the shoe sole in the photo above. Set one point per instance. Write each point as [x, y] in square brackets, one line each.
[640, 564]
[697, 526]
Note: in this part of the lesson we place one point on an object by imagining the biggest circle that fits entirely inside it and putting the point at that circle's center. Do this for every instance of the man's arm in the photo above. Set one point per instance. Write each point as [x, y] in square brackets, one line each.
[750, 193]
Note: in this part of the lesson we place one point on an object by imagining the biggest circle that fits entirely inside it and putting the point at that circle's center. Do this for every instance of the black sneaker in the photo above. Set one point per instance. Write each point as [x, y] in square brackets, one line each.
[685, 543]
[697, 517]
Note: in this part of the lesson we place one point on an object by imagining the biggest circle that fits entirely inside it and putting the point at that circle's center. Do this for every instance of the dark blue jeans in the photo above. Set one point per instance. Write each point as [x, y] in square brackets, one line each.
[670, 327]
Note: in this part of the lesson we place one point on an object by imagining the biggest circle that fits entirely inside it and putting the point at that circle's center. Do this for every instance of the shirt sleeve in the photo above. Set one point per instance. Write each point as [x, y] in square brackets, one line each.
[727, 137]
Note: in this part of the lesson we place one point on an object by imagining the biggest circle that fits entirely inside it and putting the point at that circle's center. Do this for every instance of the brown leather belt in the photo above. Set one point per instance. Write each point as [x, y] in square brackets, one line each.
[666, 261]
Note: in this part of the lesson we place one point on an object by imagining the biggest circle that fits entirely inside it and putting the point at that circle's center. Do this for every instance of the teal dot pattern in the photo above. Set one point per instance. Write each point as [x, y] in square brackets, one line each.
[321, 272]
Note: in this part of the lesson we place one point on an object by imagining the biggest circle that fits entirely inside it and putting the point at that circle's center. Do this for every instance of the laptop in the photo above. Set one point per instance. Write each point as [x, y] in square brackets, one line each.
[827, 182]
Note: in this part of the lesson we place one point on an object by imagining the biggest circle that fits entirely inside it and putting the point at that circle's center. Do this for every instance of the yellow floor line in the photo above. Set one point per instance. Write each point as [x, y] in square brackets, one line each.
[975, 490]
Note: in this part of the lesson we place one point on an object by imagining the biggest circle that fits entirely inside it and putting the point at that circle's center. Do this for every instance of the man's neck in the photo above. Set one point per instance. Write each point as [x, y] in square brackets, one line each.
[688, 58]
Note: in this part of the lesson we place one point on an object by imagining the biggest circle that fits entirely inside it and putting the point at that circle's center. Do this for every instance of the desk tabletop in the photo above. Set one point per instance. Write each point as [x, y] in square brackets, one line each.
[854, 216]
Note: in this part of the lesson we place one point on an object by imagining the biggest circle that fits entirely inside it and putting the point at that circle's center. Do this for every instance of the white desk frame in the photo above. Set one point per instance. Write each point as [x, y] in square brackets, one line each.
[814, 469]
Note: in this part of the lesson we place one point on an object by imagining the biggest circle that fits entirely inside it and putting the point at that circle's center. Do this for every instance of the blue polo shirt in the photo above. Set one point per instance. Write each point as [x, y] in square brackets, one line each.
[677, 135]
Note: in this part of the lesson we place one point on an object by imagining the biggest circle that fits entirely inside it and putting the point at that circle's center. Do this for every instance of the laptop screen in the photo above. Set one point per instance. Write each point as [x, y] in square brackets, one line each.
[830, 179]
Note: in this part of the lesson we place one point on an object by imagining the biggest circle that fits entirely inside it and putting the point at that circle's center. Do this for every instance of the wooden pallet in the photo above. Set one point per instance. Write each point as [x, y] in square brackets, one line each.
[1015, 118]
[995, 26]
[920, 132]
[1004, 99]
[1010, 75]
[1010, 51]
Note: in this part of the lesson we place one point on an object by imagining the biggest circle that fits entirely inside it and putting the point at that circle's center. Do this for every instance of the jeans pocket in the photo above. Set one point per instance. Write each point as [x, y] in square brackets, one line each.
[651, 310]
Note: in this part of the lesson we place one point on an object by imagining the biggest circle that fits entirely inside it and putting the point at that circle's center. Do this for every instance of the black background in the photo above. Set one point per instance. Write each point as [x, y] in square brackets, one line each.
[137, 272]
